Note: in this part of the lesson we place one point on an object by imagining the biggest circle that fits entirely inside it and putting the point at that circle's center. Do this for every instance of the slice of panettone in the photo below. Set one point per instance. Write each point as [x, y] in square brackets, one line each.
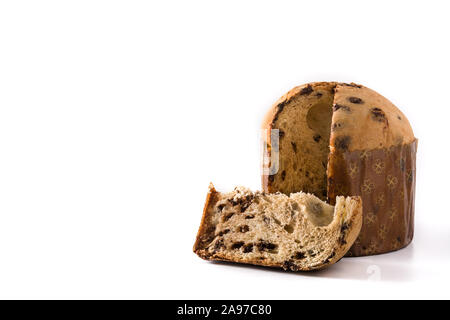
[297, 232]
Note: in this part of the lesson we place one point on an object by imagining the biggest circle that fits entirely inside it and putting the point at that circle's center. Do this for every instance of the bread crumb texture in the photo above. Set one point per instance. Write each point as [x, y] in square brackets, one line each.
[297, 232]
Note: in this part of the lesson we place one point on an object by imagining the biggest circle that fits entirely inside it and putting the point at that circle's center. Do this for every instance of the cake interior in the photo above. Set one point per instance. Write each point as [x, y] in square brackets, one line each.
[305, 127]
[271, 229]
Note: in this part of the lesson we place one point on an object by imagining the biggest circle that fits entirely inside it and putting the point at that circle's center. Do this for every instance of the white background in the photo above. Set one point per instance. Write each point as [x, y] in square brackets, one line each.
[115, 116]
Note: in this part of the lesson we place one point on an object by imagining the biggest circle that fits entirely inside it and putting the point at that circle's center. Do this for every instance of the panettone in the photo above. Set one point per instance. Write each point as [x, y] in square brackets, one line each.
[333, 139]
[297, 232]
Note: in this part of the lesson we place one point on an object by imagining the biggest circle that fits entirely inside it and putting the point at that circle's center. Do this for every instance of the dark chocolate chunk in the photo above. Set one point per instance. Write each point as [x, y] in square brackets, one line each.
[248, 248]
[294, 146]
[283, 175]
[227, 216]
[355, 100]
[317, 137]
[221, 233]
[250, 216]
[246, 202]
[289, 265]
[306, 90]
[219, 244]
[342, 240]
[243, 228]
[336, 107]
[237, 245]
[266, 246]
[271, 178]
[280, 133]
[280, 108]
[378, 114]
[299, 255]
[281, 105]
[342, 143]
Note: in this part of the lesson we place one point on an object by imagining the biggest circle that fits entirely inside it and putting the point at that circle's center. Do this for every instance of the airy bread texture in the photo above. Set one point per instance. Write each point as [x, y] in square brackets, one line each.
[328, 135]
[297, 232]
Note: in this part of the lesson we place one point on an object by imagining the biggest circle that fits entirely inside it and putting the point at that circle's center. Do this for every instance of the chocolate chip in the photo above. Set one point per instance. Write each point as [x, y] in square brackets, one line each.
[221, 233]
[294, 146]
[280, 108]
[248, 248]
[342, 142]
[243, 228]
[271, 178]
[307, 90]
[299, 255]
[227, 216]
[319, 94]
[246, 202]
[355, 100]
[342, 240]
[219, 244]
[378, 114]
[220, 207]
[250, 216]
[280, 133]
[289, 265]
[281, 105]
[399, 118]
[317, 137]
[266, 246]
[307, 173]
[283, 175]
[336, 107]
[237, 245]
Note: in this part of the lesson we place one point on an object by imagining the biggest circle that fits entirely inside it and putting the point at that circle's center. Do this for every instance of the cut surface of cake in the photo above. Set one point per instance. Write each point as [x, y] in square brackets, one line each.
[297, 232]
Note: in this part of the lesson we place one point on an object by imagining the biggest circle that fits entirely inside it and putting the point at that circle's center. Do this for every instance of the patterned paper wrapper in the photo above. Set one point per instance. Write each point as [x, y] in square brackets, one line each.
[385, 180]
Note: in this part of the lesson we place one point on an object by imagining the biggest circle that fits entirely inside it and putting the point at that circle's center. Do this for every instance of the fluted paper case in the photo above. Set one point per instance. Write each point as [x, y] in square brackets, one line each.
[385, 180]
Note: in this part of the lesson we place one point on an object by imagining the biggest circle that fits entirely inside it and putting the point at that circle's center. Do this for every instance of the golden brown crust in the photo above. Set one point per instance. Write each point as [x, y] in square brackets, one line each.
[211, 199]
[365, 120]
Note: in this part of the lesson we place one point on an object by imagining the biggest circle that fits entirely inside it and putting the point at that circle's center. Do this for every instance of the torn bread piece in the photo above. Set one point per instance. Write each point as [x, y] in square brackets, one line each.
[297, 232]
